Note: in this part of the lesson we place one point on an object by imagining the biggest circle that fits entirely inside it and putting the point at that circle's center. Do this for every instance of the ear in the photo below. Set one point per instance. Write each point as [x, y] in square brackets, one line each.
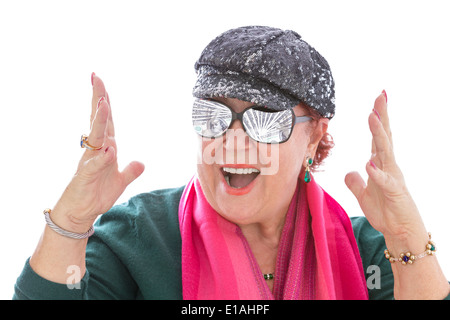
[316, 135]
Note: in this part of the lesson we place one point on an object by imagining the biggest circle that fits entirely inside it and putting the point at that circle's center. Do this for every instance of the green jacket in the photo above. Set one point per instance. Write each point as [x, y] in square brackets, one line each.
[135, 253]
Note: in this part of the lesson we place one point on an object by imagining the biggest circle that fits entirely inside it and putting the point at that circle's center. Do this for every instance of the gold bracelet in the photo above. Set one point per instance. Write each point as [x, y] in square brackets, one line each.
[408, 257]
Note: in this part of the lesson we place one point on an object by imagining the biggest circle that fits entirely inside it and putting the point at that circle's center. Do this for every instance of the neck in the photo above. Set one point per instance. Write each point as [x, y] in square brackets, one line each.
[263, 239]
[263, 235]
[266, 233]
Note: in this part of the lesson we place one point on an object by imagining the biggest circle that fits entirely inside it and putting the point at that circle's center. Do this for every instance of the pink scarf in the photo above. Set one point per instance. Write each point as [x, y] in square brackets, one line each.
[317, 257]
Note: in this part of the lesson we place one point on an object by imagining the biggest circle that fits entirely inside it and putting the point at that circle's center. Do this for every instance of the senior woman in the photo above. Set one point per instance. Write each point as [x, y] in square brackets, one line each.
[252, 223]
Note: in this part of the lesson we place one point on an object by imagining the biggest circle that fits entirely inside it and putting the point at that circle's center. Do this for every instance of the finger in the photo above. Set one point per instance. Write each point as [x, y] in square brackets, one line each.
[379, 177]
[375, 173]
[107, 98]
[96, 164]
[383, 149]
[132, 171]
[374, 148]
[355, 183]
[97, 135]
[99, 91]
[110, 128]
[380, 109]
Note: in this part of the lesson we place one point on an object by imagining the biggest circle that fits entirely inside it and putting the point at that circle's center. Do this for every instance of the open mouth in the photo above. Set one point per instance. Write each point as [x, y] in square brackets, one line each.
[238, 178]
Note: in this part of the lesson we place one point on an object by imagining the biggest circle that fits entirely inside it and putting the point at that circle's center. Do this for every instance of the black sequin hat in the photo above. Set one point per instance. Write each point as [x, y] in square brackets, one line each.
[268, 67]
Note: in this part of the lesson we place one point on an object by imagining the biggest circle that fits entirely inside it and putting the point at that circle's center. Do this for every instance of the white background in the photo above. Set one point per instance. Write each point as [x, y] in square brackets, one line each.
[145, 53]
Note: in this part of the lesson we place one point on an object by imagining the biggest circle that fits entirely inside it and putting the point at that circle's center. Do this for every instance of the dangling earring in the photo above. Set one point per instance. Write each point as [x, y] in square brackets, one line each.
[309, 162]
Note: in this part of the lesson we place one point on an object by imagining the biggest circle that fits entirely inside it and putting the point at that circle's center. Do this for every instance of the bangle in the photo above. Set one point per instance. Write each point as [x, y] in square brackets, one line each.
[409, 258]
[66, 233]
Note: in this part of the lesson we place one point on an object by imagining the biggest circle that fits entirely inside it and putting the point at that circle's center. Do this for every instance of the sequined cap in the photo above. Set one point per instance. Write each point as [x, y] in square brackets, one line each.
[268, 67]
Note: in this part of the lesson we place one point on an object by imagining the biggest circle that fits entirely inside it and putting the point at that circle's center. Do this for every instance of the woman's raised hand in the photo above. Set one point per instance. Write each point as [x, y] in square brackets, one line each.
[385, 199]
[390, 209]
[98, 183]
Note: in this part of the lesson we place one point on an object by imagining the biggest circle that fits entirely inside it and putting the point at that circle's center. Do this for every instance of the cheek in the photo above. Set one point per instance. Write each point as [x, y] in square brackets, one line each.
[206, 169]
[206, 157]
[293, 153]
[206, 151]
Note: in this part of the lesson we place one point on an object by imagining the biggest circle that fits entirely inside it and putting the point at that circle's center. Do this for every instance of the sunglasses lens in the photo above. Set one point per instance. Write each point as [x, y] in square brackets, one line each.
[268, 127]
[210, 119]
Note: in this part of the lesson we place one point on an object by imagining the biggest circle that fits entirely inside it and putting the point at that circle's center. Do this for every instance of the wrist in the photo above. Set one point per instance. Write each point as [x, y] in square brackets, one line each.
[412, 238]
[409, 256]
[63, 219]
[417, 274]
[64, 232]
[414, 243]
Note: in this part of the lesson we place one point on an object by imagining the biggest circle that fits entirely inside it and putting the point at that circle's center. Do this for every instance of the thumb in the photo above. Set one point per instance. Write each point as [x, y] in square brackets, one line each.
[132, 172]
[355, 183]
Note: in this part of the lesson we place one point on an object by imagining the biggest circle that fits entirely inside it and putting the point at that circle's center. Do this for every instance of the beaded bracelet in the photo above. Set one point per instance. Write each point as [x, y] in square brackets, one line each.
[408, 257]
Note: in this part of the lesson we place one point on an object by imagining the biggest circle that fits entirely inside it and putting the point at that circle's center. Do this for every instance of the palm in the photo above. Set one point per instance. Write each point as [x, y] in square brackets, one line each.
[385, 200]
[98, 183]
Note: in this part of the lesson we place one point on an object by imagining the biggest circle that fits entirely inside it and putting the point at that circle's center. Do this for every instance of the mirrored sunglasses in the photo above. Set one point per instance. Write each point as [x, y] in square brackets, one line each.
[211, 119]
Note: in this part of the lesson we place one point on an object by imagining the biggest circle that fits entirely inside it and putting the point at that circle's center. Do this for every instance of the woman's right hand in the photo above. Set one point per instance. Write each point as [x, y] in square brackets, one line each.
[98, 183]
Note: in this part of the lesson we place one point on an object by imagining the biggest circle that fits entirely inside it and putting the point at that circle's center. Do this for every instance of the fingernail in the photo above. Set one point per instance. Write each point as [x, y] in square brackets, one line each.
[100, 101]
[385, 95]
[92, 78]
[376, 112]
[372, 164]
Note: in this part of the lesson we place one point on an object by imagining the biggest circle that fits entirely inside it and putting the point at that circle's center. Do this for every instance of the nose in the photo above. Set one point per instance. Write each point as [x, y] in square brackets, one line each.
[236, 137]
[237, 145]
[237, 124]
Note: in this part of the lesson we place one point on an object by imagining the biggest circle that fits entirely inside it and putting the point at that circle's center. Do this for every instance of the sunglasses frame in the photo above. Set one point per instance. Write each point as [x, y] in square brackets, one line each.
[239, 116]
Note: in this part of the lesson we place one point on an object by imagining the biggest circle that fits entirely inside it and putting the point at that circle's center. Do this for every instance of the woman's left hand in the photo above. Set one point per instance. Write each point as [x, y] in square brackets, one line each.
[390, 209]
[385, 199]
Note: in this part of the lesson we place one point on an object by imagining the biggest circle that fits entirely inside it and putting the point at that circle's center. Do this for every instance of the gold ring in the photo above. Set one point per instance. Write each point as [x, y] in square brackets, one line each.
[84, 143]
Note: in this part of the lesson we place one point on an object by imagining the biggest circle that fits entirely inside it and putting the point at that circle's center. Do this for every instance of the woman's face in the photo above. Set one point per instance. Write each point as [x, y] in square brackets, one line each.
[252, 197]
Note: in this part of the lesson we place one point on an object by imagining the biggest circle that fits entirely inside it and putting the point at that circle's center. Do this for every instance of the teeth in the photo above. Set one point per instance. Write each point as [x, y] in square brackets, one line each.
[240, 170]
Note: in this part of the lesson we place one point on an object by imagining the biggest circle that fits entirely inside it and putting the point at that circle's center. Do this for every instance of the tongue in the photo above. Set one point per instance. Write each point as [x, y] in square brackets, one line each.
[241, 180]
